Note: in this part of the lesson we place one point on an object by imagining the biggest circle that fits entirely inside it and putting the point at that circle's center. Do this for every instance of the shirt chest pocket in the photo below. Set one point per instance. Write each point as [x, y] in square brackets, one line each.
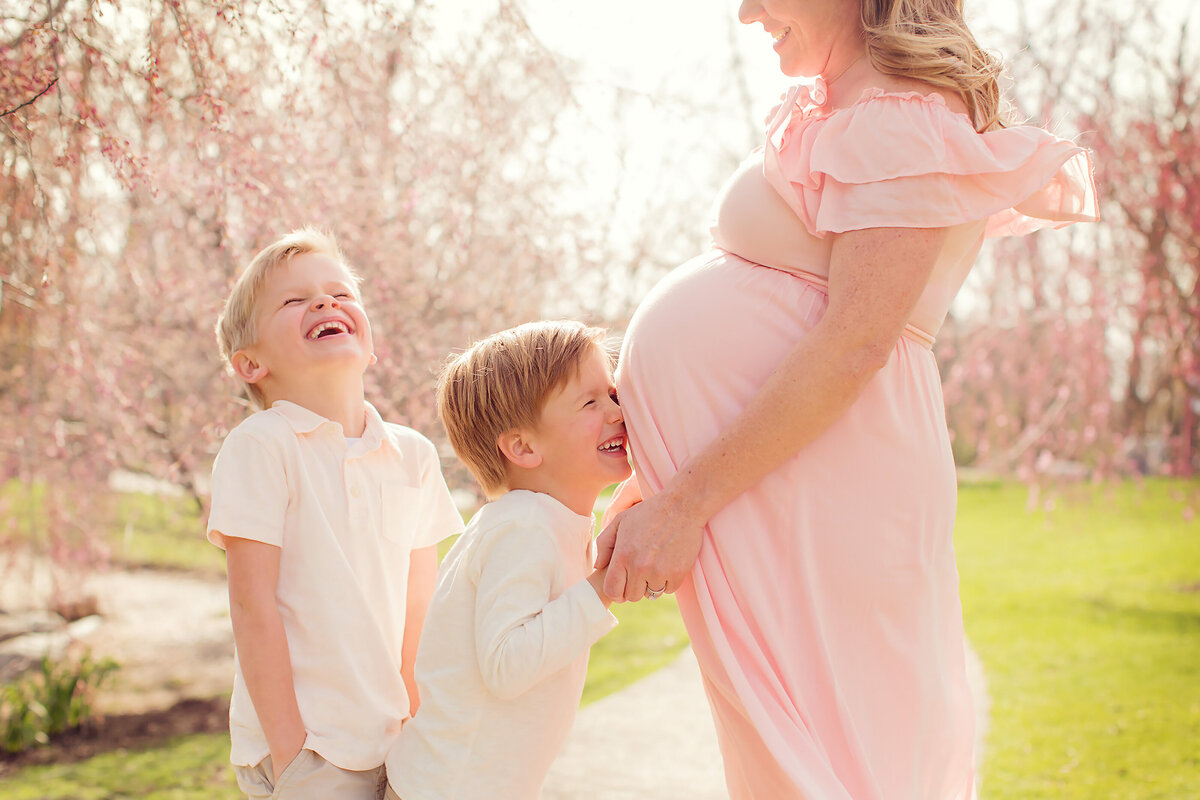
[401, 517]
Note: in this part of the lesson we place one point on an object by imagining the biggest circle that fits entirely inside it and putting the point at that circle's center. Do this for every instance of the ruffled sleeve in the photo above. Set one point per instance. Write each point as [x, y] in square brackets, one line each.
[908, 160]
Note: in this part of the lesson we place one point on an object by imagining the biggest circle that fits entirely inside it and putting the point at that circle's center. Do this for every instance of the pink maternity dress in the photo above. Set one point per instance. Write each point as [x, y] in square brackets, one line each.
[824, 605]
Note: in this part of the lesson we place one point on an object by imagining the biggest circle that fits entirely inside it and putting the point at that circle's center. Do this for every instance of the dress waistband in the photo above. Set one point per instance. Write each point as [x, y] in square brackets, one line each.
[911, 332]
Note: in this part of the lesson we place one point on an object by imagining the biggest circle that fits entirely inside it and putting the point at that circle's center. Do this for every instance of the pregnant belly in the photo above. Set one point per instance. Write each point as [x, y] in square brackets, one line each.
[707, 337]
[719, 318]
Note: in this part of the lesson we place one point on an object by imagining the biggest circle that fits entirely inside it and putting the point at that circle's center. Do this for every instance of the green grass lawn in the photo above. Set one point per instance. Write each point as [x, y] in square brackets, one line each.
[137, 530]
[163, 533]
[187, 768]
[1087, 619]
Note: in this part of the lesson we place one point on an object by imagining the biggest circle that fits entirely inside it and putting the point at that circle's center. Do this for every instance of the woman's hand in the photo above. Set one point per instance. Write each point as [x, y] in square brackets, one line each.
[650, 546]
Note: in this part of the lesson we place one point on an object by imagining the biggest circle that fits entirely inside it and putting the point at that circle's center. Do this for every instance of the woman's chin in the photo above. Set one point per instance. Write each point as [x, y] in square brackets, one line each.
[793, 69]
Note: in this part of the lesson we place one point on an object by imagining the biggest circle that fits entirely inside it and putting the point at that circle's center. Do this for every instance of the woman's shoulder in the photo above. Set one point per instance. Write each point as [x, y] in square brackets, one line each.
[884, 86]
[905, 154]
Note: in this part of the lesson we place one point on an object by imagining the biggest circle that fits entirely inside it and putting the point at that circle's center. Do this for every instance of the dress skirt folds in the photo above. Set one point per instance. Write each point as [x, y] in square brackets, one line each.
[824, 606]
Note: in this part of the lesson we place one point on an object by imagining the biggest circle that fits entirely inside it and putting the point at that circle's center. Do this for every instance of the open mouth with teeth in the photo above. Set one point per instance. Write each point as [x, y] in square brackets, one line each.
[328, 328]
[780, 35]
[614, 446]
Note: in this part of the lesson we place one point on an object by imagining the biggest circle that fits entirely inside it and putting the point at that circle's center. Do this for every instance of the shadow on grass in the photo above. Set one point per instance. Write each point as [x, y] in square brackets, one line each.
[1144, 619]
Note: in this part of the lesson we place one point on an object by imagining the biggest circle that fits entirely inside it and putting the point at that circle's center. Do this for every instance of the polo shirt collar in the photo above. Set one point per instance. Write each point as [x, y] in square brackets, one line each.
[300, 418]
[374, 434]
[304, 421]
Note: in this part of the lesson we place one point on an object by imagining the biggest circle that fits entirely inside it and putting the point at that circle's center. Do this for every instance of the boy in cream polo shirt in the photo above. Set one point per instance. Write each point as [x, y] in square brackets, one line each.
[329, 518]
[532, 413]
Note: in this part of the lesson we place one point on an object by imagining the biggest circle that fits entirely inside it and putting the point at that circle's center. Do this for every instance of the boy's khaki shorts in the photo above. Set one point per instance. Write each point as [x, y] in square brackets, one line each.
[310, 777]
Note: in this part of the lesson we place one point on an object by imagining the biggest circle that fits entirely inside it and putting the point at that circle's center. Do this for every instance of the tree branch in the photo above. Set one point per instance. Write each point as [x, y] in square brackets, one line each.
[31, 100]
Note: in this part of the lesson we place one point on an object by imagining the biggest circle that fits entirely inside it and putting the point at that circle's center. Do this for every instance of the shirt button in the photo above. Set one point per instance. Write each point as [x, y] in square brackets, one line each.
[355, 492]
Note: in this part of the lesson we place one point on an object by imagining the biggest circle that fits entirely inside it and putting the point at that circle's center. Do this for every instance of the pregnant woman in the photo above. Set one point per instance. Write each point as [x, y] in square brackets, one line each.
[786, 413]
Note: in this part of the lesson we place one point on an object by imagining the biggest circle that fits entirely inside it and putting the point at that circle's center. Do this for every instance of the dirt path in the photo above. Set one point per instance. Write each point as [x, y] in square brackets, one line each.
[656, 739]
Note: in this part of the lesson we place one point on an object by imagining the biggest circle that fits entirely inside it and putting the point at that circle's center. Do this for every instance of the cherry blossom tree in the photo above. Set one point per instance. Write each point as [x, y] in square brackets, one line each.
[1077, 351]
[149, 148]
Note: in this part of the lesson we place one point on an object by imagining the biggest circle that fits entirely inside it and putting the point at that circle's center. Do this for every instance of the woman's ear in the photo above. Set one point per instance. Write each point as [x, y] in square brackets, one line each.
[517, 448]
[246, 368]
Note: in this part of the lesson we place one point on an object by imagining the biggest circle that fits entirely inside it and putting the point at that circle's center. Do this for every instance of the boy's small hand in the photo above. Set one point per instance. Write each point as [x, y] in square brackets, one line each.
[596, 579]
[287, 753]
[605, 543]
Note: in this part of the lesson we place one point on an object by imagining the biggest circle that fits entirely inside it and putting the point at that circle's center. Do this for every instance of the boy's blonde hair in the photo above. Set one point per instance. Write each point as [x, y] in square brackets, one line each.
[502, 383]
[237, 326]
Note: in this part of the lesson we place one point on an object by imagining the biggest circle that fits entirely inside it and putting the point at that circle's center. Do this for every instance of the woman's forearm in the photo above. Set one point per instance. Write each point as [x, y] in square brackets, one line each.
[815, 384]
[654, 544]
[875, 279]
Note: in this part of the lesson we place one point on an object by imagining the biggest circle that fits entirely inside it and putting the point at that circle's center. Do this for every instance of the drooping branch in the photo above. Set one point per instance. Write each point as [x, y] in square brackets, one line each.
[32, 100]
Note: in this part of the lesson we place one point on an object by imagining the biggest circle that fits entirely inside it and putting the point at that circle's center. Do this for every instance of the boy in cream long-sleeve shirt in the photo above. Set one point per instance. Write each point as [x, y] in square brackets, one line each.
[502, 660]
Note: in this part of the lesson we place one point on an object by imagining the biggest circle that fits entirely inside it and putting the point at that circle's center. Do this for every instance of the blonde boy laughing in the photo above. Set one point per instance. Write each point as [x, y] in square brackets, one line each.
[532, 412]
[329, 518]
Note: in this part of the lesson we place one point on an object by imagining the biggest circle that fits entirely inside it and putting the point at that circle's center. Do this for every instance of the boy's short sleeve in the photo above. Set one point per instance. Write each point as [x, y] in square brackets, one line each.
[249, 492]
[439, 516]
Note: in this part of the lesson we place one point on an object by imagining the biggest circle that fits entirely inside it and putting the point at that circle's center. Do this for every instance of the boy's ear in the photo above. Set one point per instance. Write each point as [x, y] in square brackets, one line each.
[246, 368]
[516, 447]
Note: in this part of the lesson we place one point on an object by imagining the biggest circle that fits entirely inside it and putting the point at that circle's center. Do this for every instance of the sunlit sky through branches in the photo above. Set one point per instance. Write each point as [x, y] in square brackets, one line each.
[657, 49]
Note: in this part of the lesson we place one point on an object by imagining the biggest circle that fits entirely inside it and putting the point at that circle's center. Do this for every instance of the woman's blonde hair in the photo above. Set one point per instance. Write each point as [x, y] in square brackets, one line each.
[501, 383]
[928, 41]
[237, 327]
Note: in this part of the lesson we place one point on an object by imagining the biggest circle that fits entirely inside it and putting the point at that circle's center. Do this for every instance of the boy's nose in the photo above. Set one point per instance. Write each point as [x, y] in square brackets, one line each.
[325, 301]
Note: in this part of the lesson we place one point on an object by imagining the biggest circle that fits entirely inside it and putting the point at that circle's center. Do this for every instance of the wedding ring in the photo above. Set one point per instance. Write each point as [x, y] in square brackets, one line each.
[654, 594]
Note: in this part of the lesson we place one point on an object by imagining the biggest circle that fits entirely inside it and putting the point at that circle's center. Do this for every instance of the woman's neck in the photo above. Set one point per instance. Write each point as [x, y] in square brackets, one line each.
[847, 73]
